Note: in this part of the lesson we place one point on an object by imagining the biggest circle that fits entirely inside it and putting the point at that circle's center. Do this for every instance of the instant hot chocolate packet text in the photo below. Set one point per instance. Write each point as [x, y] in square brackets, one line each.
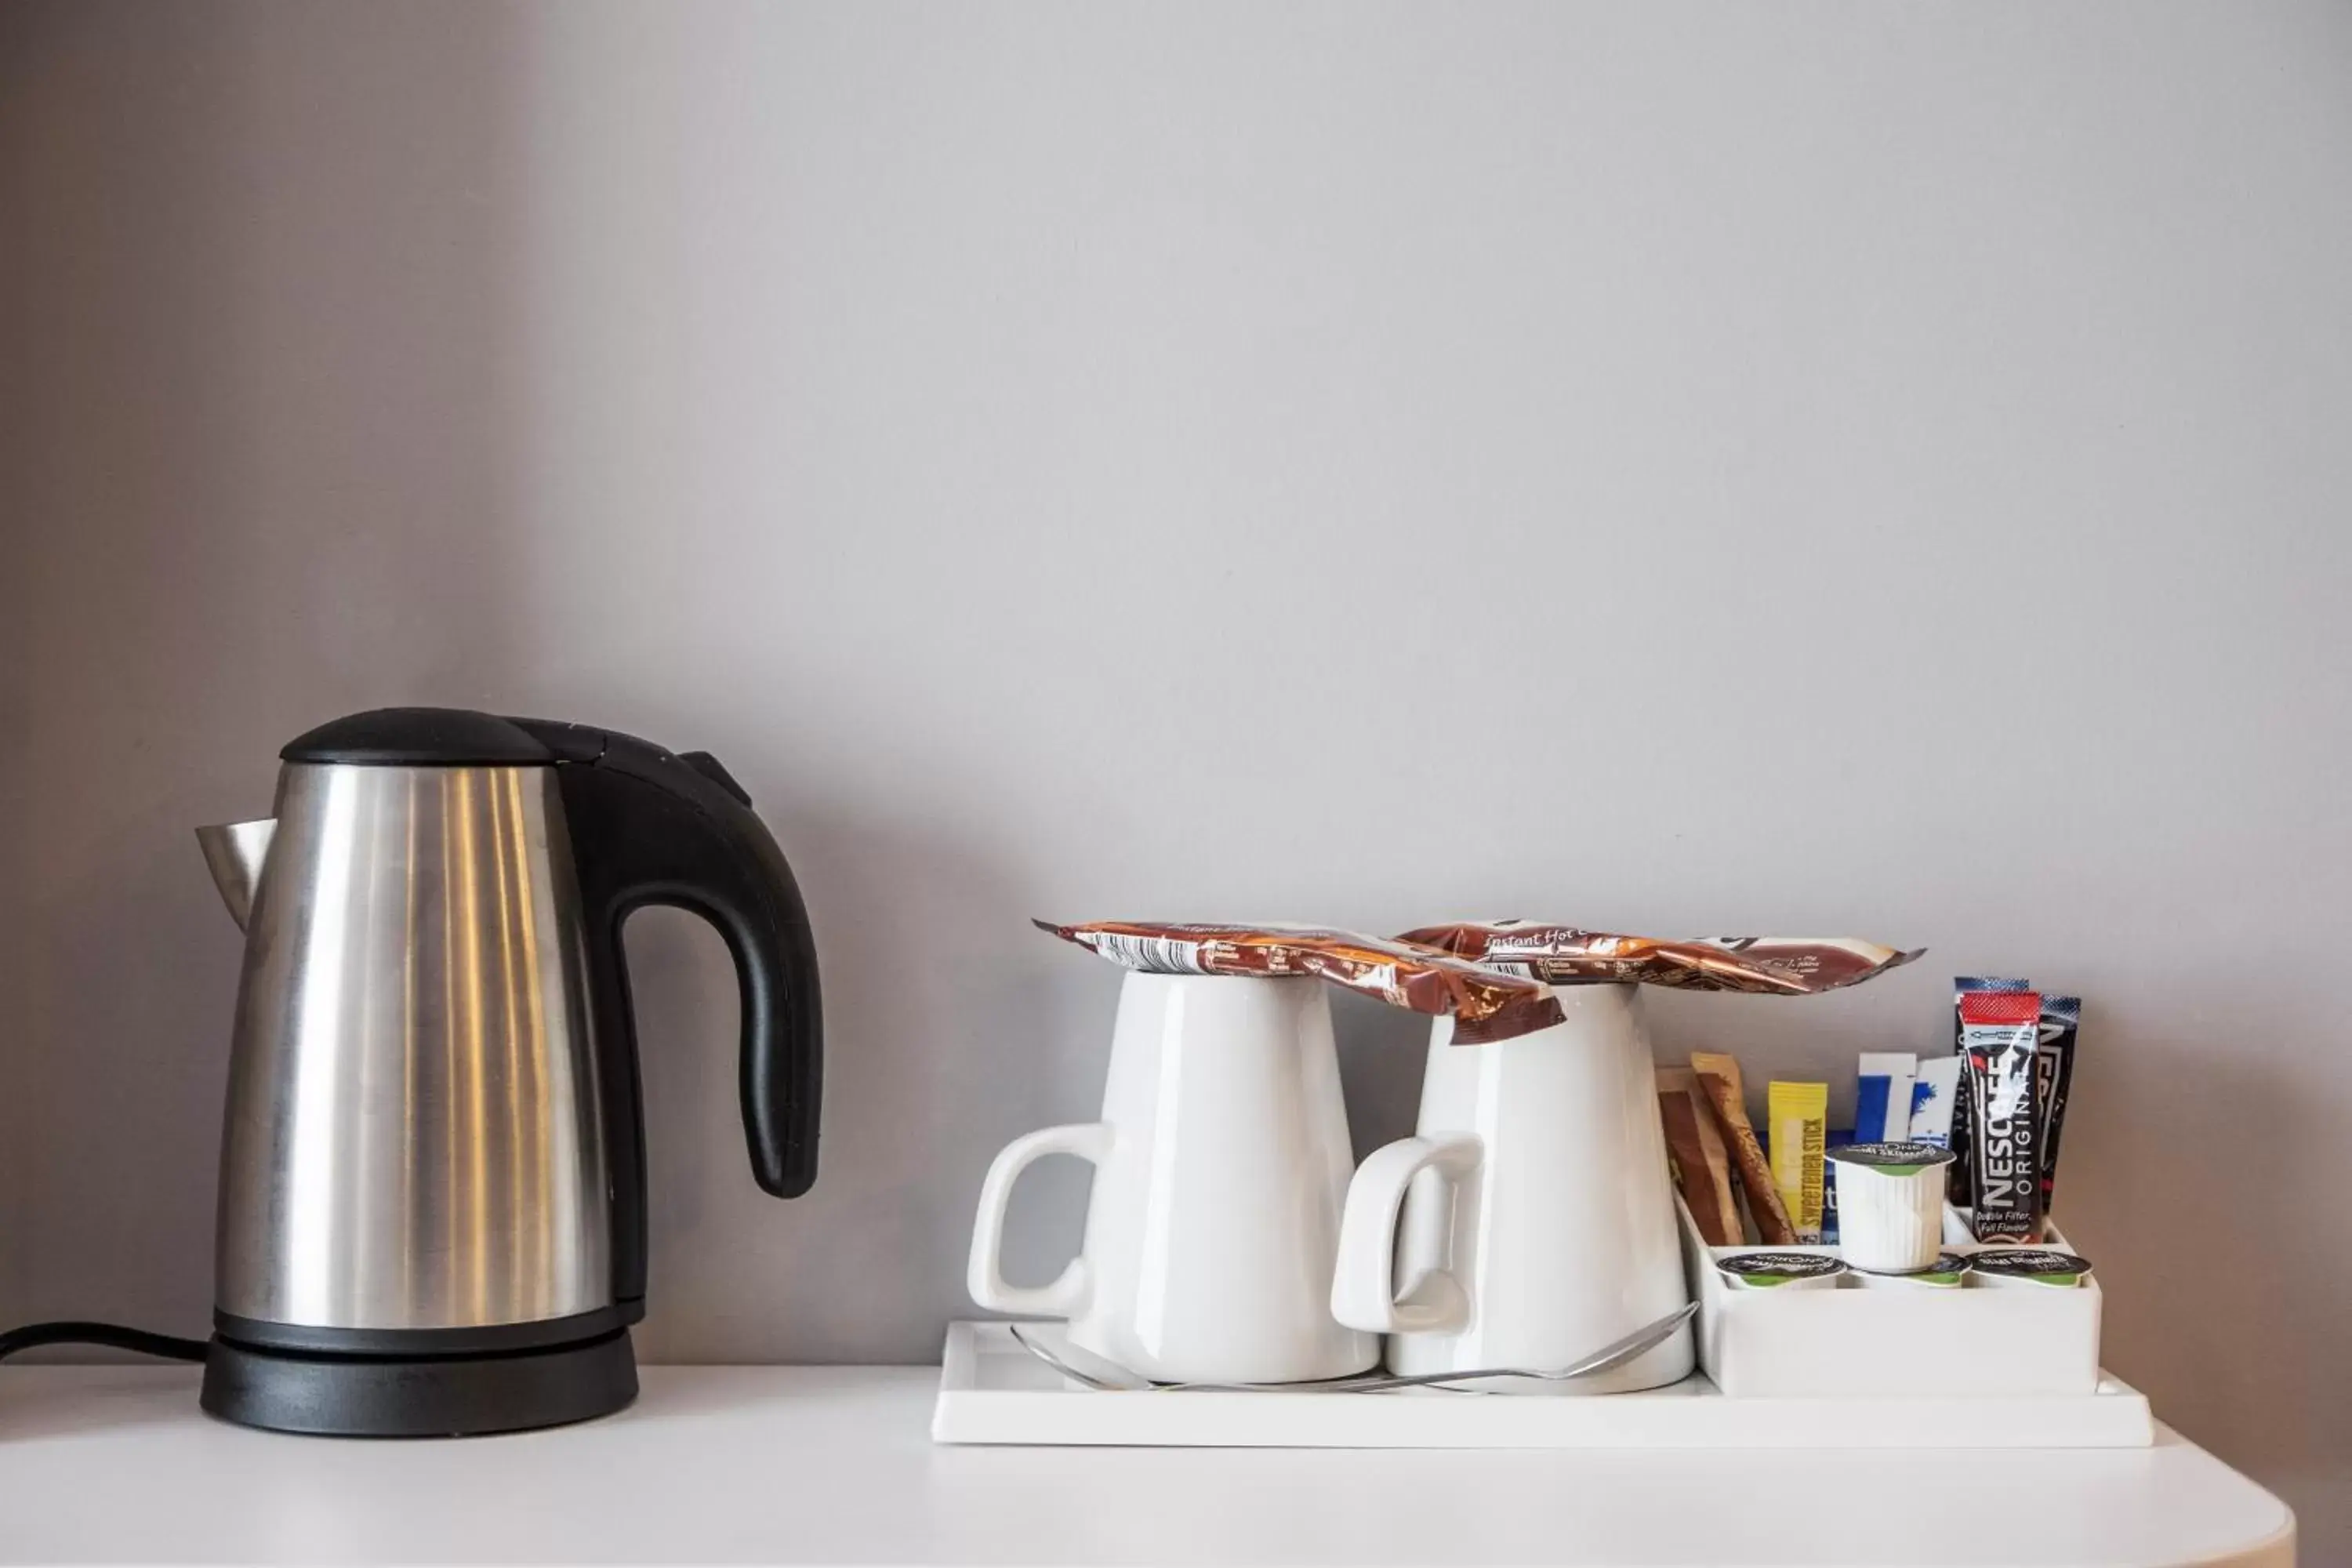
[1485, 1004]
[1571, 955]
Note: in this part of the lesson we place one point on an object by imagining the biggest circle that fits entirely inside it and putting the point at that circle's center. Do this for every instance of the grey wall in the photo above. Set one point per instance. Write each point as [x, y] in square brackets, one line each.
[1820, 468]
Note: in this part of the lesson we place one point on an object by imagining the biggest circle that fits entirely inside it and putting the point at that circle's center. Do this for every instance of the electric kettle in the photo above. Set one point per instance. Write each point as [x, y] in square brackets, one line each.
[432, 1174]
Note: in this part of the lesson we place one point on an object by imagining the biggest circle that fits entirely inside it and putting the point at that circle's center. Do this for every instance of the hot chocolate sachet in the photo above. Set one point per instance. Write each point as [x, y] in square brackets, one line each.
[1760, 965]
[1485, 1004]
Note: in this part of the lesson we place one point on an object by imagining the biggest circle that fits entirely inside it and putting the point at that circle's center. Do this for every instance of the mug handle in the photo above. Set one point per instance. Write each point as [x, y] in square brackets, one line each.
[1361, 1285]
[1090, 1141]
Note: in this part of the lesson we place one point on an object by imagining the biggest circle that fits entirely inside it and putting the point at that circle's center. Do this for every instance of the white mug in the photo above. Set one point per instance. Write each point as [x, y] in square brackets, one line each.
[1221, 1167]
[1539, 1214]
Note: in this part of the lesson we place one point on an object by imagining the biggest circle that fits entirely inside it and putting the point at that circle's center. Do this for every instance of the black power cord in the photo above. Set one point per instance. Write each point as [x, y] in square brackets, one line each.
[112, 1336]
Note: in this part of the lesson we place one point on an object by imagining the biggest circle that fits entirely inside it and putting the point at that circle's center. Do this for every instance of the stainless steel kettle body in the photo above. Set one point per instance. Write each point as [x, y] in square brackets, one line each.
[413, 1139]
[432, 1209]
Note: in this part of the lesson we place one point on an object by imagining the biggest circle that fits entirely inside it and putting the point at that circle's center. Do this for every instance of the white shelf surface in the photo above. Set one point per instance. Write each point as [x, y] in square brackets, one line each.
[835, 1465]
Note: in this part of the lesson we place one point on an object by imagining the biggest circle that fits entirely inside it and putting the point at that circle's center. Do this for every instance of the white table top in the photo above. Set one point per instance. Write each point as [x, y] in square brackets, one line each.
[834, 1465]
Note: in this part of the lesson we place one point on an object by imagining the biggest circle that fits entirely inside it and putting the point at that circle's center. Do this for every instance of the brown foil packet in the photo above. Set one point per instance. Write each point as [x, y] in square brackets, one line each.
[1567, 955]
[1719, 1076]
[1486, 1005]
[1702, 1164]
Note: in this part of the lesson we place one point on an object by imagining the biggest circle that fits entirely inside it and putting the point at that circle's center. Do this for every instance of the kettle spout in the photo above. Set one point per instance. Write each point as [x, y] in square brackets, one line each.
[236, 852]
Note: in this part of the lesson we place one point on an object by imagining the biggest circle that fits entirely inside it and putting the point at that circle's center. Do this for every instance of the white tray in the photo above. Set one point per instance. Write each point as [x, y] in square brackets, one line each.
[993, 1390]
[1895, 1345]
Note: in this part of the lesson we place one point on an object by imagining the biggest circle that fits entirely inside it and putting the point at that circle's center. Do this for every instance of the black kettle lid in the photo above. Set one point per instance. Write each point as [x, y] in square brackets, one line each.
[420, 737]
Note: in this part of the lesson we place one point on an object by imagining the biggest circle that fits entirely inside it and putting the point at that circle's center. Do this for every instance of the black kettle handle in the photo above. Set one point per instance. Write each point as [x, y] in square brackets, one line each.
[649, 827]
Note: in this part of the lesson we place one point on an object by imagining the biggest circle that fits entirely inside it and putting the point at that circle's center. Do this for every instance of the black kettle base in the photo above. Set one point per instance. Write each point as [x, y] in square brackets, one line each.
[418, 1397]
